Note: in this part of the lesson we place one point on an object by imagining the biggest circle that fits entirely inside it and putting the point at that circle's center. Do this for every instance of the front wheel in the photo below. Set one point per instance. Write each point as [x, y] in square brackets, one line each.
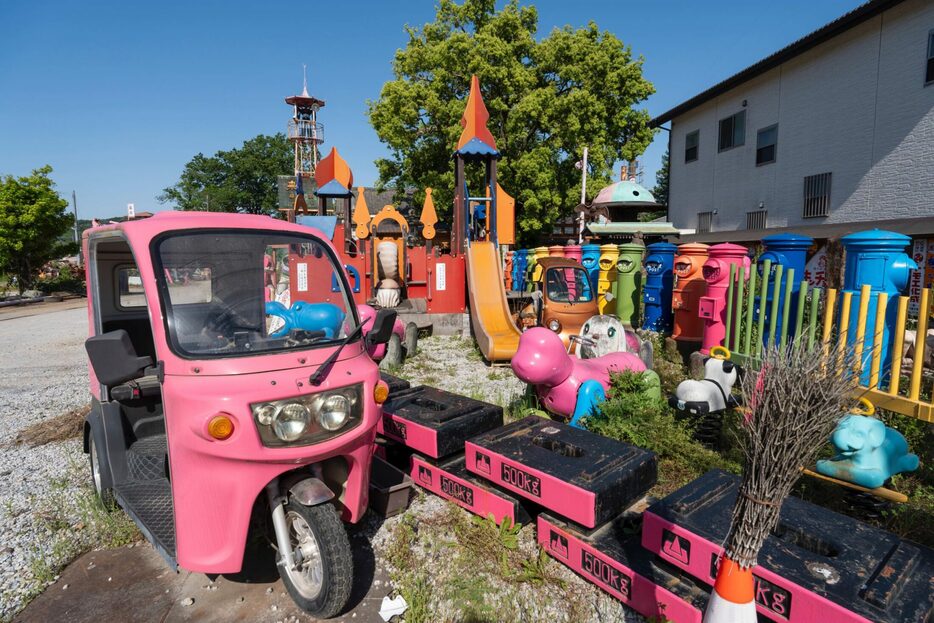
[322, 578]
[99, 477]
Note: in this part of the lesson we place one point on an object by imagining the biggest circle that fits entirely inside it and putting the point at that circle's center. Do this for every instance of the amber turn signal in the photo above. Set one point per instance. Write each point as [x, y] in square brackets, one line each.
[380, 392]
[220, 427]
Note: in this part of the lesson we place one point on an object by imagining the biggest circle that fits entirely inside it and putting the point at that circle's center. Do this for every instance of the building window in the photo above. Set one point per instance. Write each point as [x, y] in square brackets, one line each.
[691, 143]
[703, 221]
[766, 140]
[817, 195]
[756, 220]
[733, 131]
[929, 70]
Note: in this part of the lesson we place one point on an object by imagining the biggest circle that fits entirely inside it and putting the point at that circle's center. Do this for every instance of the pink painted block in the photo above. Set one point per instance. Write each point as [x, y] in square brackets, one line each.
[624, 570]
[452, 482]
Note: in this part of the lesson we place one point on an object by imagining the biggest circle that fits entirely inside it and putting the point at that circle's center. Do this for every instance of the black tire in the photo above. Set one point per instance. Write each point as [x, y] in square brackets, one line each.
[335, 557]
[411, 339]
[101, 479]
[394, 355]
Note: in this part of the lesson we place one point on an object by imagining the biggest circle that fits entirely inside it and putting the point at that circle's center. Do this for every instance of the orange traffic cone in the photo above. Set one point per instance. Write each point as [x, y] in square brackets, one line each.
[733, 596]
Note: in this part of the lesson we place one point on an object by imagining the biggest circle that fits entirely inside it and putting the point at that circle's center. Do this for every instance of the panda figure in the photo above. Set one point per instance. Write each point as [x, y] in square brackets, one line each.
[605, 334]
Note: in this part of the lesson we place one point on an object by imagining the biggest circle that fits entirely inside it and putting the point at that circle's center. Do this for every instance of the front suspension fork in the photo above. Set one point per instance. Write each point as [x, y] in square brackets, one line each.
[277, 503]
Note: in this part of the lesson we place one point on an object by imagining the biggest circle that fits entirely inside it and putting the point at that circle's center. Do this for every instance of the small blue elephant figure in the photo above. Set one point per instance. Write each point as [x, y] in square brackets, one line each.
[868, 452]
[307, 317]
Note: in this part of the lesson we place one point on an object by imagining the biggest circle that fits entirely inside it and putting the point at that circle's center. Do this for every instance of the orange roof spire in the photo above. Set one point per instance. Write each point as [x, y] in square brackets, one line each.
[475, 118]
[429, 217]
[361, 215]
[333, 167]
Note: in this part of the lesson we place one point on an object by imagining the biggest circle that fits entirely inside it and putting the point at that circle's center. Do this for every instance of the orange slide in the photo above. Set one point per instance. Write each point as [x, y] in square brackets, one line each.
[493, 328]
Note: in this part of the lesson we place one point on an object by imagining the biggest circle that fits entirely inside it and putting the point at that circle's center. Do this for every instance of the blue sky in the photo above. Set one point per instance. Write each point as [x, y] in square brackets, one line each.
[118, 95]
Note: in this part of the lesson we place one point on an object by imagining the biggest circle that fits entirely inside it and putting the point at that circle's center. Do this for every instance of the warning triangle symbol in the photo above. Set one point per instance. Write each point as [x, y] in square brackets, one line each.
[676, 549]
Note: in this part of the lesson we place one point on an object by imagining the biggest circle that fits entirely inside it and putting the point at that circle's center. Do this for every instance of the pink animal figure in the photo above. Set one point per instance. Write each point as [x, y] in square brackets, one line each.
[367, 315]
[542, 361]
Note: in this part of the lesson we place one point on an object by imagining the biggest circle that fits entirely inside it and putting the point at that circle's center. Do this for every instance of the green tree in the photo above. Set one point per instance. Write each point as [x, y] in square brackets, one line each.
[238, 180]
[547, 99]
[661, 181]
[32, 218]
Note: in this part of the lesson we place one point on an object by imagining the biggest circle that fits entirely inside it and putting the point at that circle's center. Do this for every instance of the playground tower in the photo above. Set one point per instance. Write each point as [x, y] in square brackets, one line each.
[306, 134]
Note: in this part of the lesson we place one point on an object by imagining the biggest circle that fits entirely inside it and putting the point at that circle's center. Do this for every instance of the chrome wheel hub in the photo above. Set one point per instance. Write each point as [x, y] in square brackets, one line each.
[308, 574]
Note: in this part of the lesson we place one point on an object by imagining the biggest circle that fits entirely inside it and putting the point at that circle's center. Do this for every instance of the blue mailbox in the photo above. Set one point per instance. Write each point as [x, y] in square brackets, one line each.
[590, 260]
[790, 251]
[876, 258]
[519, 263]
[659, 282]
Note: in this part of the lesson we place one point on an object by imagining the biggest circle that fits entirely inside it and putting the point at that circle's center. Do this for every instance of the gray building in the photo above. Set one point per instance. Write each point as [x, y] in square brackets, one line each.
[833, 133]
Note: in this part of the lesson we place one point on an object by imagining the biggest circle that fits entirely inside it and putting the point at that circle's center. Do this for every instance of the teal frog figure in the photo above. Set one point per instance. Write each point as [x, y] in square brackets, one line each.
[868, 452]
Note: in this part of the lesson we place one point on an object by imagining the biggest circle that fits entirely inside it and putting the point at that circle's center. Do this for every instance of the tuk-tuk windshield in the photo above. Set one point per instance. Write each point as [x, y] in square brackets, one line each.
[240, 292]
[568, 285]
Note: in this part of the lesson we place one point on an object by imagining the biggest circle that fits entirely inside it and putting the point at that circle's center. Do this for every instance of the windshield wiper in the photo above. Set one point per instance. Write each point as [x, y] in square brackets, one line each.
[322, 372]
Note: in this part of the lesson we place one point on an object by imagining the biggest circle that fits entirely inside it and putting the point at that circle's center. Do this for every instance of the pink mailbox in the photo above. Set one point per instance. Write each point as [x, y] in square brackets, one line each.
[712, 307]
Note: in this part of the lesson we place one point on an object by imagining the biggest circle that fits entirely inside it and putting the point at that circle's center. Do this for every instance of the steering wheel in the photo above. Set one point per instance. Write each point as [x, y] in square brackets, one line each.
[230, 318]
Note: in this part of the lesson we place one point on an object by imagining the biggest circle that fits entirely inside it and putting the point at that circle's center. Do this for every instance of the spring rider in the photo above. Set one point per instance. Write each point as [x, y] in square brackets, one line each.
[706, 400]
[628, 291]
[868, 452]
[876, 258]
[659, 281]
[689, 288]
[566, 385]
[789, 251]
[606, 302]
[302, 316]
[712, 307]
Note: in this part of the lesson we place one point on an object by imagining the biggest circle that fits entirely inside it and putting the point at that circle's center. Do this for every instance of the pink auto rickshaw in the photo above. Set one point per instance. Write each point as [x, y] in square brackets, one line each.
[208, 418]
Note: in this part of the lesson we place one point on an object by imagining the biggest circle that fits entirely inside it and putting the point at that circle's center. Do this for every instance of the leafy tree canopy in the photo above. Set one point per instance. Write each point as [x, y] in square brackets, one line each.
[32, 218]
[547, 99]
[238, 180]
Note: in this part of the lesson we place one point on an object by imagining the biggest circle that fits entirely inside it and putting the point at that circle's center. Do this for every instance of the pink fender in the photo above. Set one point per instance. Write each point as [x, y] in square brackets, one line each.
[542, 361]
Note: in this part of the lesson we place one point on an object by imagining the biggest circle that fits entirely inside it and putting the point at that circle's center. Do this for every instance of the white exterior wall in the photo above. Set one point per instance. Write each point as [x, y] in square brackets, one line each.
[855, 106]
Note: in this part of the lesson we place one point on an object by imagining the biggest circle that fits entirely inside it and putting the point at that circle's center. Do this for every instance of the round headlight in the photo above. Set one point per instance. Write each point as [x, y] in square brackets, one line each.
[290, 422]
[554, 325]
[334, 412]
[265, 414]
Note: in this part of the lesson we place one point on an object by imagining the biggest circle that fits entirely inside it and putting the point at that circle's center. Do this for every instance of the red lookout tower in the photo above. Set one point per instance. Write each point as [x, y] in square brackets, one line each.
[306, 135]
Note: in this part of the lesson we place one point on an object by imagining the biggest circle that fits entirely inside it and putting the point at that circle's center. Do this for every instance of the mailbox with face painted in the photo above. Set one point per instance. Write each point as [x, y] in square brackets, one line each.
[518, 269]
[716, 272]
[556, 251]
[877, 258]
[659, 281]
[607, 278]
[573, 252]
[508, 259]
[590, 260]
[629, 283]
[790, 252]
[688, 289]
[533, 271]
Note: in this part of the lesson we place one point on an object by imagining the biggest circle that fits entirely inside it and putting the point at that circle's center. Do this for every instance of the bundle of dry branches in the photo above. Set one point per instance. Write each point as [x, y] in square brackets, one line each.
[794, 401]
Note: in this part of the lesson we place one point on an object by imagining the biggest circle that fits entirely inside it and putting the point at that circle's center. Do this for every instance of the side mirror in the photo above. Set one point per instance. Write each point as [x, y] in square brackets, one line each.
[113, 357]
[381, 330]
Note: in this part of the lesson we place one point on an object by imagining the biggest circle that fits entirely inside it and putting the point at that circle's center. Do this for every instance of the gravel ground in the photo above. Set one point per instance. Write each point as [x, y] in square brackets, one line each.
[43, 374]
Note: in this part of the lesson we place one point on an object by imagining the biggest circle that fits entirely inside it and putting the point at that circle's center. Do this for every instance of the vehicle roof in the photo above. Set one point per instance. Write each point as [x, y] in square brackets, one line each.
[172, 220]
[559, 262]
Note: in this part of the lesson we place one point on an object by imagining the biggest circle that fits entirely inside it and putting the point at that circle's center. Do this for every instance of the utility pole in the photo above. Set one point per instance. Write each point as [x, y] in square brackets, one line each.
[74, 204]
[580, 229]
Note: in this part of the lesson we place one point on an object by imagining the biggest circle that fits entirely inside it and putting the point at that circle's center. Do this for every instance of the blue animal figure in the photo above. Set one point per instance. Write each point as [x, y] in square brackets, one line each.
[304, 316]
[868, 452]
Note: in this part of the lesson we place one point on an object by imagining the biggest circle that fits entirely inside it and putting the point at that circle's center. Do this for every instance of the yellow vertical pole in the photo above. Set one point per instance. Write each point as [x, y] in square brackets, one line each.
[881, 305]
[829, 309]
[899, 345]
[924, 312]
[844, 327]
[864, 293]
